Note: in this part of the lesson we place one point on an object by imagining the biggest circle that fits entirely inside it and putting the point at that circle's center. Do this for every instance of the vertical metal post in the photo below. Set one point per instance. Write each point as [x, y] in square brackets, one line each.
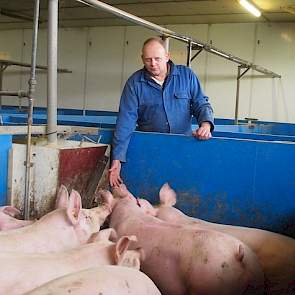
[237, 95]
[88, 44]
[166, 40]
[1, 84]
[52, 71]
[238, 91]
[31, 92]
[189, 54]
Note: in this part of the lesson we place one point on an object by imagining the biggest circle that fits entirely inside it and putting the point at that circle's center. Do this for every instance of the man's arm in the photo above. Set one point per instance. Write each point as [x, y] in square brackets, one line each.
[125, 125]
[201, 110]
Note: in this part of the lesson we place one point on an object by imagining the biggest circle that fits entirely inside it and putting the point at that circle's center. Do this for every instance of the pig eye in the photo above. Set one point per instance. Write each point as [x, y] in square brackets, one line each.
[137, 202]
[88, 218]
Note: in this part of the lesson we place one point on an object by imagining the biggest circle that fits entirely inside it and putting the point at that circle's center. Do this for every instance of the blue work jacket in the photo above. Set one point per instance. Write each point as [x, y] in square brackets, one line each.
[167, 109]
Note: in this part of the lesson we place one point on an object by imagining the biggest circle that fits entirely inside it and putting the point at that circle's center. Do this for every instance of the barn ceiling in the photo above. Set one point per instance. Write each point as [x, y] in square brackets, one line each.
[19, 14]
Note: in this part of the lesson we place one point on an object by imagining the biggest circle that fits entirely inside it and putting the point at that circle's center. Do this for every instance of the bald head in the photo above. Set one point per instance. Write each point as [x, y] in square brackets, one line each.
[155, 57]
[154, 40]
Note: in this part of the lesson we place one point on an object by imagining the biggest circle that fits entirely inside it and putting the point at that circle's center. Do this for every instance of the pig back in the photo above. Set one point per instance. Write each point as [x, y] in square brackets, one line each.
[107, 280]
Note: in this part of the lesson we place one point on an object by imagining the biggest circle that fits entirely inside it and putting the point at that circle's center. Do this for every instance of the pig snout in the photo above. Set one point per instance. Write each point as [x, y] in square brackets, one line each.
[8, 218]
[121, 192]
[11, 211]
[105, 198]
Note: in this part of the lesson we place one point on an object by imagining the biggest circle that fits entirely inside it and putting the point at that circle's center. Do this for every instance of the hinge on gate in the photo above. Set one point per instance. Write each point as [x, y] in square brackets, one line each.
[31, 164]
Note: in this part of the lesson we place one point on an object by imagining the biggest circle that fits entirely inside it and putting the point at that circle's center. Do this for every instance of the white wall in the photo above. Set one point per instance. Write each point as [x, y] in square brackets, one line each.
[102, 58]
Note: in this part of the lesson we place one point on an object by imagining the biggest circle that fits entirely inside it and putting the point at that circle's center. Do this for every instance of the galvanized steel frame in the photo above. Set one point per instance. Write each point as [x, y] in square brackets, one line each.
[192, 44]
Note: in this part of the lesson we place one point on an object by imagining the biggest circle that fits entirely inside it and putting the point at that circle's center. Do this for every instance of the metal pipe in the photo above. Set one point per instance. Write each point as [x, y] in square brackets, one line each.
[31, 93]
[129, 17]
[237, 95]
[196, 54]
[239, 76]
[7, 63]
[52, 71]
[19, 93]
[1, 84]
[166, 40]
[189, 54]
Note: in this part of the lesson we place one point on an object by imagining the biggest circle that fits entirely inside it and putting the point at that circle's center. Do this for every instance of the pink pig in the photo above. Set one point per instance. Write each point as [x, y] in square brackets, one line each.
[8, 218]
[185, 261]
[27, 271]
[275, 252]
[66, 227]
[106, 280]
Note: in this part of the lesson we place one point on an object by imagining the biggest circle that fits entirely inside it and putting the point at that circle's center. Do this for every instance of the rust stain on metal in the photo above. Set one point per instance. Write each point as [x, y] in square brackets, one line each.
[81, 169]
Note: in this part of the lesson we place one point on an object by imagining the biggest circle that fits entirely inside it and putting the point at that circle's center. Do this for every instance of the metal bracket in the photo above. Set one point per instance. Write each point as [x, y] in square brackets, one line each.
[239, 76]
[250, 122]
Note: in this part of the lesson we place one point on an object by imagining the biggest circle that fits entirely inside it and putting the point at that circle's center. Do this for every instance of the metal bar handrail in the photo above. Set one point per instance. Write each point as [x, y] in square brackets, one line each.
[168, 33]
[7, 63]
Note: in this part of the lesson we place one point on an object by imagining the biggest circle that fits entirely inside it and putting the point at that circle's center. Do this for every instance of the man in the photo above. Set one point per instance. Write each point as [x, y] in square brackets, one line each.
[161, 97]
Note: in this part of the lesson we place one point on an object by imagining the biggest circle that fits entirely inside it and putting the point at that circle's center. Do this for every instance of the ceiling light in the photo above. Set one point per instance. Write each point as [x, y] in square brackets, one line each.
[250, 7]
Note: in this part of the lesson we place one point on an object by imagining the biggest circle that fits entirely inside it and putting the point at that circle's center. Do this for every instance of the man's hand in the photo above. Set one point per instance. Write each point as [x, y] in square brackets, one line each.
[114, 173]
[203, 132]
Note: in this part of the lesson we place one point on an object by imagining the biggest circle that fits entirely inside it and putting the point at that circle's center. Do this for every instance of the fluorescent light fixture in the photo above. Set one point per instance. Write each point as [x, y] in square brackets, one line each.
[250, 7]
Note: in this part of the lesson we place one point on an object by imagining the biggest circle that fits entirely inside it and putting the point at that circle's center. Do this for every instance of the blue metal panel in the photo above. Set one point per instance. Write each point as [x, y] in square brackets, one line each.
[90, 121]
[61, 111]
[5, 145]
[231, 181]
[261, 128]
[254, 136]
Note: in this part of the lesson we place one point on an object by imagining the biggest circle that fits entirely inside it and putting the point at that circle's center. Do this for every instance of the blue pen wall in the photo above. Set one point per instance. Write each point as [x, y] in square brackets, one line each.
[5, 145]
[231, 181]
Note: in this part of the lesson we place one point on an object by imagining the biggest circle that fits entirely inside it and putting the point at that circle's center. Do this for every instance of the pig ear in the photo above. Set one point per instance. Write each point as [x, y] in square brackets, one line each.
[167, 196]
[62, 198]
[74, 207]
[11, 211]
[122, 246]
[108, 234]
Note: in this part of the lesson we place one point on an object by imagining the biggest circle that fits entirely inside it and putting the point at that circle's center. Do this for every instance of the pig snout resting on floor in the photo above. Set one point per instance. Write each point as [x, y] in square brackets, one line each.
[275, 252]
[106, 280]
[26, 271]
[63, 228]
[184, 261]
[8, 218]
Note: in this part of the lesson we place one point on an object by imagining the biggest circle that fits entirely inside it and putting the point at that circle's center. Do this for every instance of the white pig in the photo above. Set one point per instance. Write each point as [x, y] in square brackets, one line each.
[275, 252]
[26, 271]
[58, 230]
[184, 261]
[106, 280]
[8, 218]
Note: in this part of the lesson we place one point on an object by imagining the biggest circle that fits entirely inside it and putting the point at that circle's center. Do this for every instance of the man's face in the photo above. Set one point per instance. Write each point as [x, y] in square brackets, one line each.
[155, 59]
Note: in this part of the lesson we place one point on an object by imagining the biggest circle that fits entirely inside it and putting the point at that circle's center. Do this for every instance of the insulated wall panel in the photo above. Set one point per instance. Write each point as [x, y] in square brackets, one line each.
[72, 52]
[273, 99]
[239, 40]
[11, 48]
[104, 68]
